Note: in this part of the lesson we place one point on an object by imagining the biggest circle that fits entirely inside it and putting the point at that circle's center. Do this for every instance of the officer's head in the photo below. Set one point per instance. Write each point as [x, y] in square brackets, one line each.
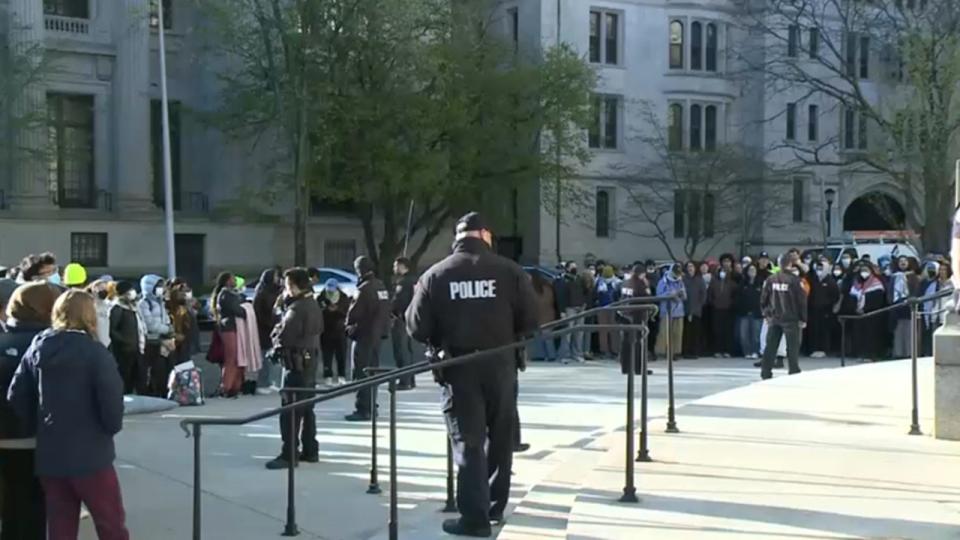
[297, 281]
[473, 225]
[402, 266]
[363, 265]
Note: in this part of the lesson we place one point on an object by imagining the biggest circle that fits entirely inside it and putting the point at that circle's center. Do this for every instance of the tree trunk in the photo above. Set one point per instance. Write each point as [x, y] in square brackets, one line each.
[938, 210]
[302, 193]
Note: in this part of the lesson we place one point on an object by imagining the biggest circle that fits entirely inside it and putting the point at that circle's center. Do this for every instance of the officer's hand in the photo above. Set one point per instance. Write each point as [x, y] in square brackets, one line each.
[803, 325]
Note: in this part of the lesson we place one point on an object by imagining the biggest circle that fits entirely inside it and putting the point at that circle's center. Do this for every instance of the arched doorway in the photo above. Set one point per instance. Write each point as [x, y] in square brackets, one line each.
[874, 212]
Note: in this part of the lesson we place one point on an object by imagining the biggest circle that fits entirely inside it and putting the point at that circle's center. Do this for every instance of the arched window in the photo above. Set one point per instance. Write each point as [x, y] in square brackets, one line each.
[676, 45]
[675, 127]
[603, 213]
[695, 135]
[711, 47]
[696, 46]
[710, 127]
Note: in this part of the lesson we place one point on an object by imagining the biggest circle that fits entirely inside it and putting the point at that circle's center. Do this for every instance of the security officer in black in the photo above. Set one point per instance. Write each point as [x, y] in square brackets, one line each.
[471, 301]
[368, 322]
[636, 286]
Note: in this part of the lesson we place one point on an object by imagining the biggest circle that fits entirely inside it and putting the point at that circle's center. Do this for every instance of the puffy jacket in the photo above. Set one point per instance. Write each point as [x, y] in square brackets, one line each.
[68, 388]
[607, 291]
[128, 333]
[153, 310]
[672, 285]
[228, 309]
[264, 303]
[15, 339]
[721, 291]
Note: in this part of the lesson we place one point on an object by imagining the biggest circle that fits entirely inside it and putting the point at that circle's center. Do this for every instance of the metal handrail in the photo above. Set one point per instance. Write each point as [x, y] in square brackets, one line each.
[943, 293]
[391, 377]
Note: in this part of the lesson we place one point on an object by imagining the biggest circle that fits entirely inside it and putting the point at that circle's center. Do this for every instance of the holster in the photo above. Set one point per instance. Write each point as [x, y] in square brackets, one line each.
[296, 359]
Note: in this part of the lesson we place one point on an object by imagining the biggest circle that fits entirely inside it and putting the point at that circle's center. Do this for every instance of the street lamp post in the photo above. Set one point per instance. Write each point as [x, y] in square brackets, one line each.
[167, 168]
[830, 196]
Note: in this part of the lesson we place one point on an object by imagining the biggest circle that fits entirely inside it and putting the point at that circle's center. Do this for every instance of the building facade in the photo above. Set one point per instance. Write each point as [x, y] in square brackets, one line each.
[679, 72]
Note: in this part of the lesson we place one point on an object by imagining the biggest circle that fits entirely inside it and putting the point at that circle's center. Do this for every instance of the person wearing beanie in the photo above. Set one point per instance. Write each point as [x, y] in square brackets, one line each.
[333, 341]
[74, 276]
[368, 323]
[128, 338]
[154, 312]
[607, 291]
[28, 313]
[671, 284]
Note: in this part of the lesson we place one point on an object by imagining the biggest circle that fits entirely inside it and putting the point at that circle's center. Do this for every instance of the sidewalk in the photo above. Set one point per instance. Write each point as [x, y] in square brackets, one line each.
[821, 455]
[565, 410]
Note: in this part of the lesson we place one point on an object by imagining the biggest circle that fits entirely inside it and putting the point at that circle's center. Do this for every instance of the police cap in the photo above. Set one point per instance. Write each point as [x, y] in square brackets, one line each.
[471, 222]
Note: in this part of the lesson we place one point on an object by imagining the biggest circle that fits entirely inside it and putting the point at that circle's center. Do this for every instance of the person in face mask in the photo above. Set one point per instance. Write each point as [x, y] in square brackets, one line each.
[870, 295]
[846, 261]
[128, 338]
[153, 309]
[693, 330]
[903, 284]
[706, 320]
[100, 290]
[824, 293]
[41, 267]
[721, 292]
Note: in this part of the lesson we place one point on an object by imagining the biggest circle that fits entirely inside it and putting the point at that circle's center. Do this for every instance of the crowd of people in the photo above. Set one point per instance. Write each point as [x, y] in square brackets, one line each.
[719, 313]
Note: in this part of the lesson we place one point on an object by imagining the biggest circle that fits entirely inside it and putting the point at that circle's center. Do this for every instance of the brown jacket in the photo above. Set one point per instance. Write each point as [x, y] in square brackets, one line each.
[546, 308]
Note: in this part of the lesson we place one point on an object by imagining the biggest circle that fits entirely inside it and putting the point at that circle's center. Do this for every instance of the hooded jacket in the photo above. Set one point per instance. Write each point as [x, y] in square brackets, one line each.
[264, 301]
[67, 388]
[334, 315]
[783, 299]
[671, 284]
[153, 310]
[15, 339]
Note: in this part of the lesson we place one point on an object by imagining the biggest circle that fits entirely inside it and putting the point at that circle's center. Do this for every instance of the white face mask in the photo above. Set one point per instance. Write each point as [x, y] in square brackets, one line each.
[845, 262]
[158, 291]
[795, 271]
[707, 277]
[838, 273]
[723, 275]
[132, 295]
[189, 295]
[865, 274]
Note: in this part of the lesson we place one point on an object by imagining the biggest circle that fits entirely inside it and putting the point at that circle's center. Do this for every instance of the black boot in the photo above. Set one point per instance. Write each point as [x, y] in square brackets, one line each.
[457, 527]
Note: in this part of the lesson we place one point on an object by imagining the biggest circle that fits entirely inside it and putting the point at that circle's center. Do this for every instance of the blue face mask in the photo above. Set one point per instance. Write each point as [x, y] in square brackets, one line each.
[55, 279]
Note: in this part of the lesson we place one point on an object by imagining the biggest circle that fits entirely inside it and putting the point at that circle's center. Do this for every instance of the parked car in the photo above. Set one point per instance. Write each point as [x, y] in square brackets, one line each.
[876, 244]
[348, 280]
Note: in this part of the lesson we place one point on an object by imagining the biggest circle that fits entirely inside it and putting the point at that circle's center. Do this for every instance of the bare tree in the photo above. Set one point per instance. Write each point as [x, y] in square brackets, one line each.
[693, 201]
[889, 70]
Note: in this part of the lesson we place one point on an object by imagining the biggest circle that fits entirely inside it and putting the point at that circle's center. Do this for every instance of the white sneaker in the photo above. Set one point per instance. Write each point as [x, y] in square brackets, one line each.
[818, 354]
[341, 381]
[328, 381]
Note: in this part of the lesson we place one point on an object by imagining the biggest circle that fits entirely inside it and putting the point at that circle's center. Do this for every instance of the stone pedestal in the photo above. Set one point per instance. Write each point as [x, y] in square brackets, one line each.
[946, 352]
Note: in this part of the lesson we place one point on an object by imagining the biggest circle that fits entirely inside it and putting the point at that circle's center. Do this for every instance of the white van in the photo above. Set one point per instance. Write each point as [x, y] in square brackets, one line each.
[874, 244]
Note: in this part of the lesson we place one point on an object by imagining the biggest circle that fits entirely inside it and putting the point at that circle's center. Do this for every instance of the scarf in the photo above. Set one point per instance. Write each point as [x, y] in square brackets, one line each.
[860, 289]
[900, 289]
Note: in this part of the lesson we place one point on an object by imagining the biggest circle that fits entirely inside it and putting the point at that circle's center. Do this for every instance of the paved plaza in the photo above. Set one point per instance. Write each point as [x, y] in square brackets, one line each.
[820, 455]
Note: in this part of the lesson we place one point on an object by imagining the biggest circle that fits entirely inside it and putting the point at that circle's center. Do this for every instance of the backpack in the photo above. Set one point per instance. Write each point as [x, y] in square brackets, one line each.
[185, 386]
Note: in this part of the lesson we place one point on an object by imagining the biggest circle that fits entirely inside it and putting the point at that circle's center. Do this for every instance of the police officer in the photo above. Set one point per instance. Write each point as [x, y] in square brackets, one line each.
[402, 295]
[471, 301]
[636, 286]
[367, 324]
[784, 305]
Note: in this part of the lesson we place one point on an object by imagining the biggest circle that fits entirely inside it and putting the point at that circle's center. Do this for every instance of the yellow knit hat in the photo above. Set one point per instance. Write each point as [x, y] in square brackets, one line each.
[74, 275]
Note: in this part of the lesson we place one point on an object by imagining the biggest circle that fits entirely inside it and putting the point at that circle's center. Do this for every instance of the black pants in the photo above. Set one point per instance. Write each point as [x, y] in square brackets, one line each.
[723, 322]
[24, 517]
[822, 320]
[158, 369]
[402, 349]
[480, 408]
[775, 331]
[127, 364]
[517, 436]
[692, 337]
[334, 348]
[653, 327]
[305, 420]
[366, 354]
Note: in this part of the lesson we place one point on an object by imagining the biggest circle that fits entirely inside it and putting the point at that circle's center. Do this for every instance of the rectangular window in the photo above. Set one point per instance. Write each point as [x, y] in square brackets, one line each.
[864, 57]
[862, 132]
[513, 18]
[604, 199]
[89, 249]
[793, 41]
[71, 149]
[679, 213]
[694, 216]
[791, 121]
[696, 136]
[696, 46]
[798, 200]
[710, 127]
[595, 37]
[604, 37]
[78, 9]
[167, 14]
[851, 55]
[708, 215]
[156, 150]
[849, 128]
[676, 45]
[675, 135]
[604, 131]
[711, 47]
[339, 253]
[813, 123]
[813, 43]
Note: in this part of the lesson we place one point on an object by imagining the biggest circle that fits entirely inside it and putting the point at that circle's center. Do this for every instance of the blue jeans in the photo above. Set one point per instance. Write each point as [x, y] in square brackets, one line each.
[748, 330]
[544, 349]
[574, 344]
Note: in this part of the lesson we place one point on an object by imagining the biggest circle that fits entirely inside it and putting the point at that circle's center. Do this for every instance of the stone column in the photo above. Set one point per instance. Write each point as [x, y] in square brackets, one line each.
[946, 354]
[131, 106]
[29, 188]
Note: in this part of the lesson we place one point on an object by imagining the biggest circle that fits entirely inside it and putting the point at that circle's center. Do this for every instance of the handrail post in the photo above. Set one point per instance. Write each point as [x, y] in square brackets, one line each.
[374, 487]
[915, 412]
[291, 529]
[629, 490]
[451, 505]
[196, 482]
[644, 453]
[392, 525]
[843, 342]
[671, 411]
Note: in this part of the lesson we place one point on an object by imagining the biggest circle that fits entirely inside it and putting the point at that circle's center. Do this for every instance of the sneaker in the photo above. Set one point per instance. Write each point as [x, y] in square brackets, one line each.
[341, 381]
[521, 448]
[718, 355]
[457, 527]
[357, 417]
[496, 518]
[278, 463]
[310, 458]
[328, 381]
[757, 364]
[818, 354]
[726, 355]
[779, 363]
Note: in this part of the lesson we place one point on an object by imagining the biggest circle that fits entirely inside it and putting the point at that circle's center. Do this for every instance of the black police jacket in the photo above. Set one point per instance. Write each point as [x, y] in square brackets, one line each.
[472, 300]
[369, 315]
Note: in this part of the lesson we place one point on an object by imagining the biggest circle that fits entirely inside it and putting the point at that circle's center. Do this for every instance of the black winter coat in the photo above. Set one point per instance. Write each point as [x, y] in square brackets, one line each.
[15, 339]
[748, 298]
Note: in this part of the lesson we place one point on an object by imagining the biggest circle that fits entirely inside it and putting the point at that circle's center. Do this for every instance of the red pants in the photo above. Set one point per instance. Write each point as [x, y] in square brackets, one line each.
[100, 491]
[232, 376]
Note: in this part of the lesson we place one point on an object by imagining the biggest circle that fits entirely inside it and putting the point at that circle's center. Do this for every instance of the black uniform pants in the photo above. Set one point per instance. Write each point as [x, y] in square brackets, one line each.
[480, 407]
[366, 354]
[775, 331]
[334, 348]
[305, 420]
[402, 349]
[24, 514]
